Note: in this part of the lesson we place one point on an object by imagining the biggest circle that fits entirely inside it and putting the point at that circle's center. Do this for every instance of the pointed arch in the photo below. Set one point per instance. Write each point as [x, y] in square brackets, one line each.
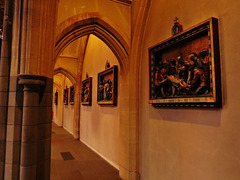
[93, 23]
[67, 73]
[57, 86]
[98, 25]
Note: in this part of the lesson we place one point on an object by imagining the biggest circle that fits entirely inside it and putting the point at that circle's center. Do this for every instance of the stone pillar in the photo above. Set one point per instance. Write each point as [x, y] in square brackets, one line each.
[4, 79]
[36, 127]
[77, 107]
[78, 87]
[32, 44]
[13, 130]
[14, 109]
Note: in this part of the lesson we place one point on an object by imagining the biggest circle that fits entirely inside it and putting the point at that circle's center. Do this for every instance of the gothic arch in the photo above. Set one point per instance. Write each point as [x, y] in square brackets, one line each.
[57, 86]
[98, 25]
[93, 23]
[65, 72]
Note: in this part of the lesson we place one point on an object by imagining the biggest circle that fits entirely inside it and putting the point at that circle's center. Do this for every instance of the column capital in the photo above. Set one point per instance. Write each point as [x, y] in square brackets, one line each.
[31, 82]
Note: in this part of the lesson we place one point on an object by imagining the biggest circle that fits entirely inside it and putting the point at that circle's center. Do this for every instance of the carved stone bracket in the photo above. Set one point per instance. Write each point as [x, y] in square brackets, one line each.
[31, 82]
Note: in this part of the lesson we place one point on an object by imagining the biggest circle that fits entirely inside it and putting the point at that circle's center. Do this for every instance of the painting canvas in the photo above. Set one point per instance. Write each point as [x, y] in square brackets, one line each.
[65, 96]
[56, 98]
[184, 70]
[86, 95]
[107, 86]
[71, 97]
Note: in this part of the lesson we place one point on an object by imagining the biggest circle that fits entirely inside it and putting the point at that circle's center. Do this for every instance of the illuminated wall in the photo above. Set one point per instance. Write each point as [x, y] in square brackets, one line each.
[186, 144]
[99, 125]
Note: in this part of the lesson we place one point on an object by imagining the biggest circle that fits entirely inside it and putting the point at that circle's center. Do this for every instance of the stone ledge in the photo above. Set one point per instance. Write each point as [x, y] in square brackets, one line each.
[28, 79]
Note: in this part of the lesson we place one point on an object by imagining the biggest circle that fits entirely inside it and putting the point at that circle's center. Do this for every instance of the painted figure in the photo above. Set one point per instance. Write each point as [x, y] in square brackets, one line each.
[183, 76]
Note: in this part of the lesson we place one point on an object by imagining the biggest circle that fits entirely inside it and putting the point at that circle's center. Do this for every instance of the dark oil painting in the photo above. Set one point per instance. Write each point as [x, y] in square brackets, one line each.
[86, 95]
[71, 97]
[182, 69]
[107, 86]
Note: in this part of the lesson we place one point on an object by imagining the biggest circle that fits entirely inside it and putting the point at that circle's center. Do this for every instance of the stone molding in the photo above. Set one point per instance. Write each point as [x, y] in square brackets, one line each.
[71, 76]
[98, 25]
[31, 82]
[26, 79]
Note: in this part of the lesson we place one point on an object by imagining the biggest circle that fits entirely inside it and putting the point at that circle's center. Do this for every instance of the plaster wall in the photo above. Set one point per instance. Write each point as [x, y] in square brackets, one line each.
[99, 125]
[63, 114]
[68, 110]
[57, 109]
[117, 13]
[186, 144]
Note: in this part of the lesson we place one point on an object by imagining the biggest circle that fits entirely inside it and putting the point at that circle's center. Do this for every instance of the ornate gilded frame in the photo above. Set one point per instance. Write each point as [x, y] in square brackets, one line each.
[184, 70]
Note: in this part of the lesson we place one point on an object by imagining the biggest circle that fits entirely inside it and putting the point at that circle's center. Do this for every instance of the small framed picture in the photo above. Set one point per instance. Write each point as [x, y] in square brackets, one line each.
[56, 98]
[65, 96]
[86, 95]
[71, 97]
[107, 86]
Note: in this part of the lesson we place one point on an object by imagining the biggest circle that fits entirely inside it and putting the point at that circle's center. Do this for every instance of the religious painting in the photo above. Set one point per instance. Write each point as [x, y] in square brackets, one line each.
[65, 96]
[184, 70]
[56, 98]
[86, 95]
[107, 86]
[71, 96]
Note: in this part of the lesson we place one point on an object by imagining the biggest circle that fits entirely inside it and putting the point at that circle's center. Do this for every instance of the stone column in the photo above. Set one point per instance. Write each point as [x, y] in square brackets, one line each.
[36, 127]
[78, 87]
[32, 49]
[77, 107]
[5, 62]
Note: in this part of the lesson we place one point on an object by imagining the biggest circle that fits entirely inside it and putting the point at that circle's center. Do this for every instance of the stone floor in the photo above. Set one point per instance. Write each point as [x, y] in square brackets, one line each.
[80, 163]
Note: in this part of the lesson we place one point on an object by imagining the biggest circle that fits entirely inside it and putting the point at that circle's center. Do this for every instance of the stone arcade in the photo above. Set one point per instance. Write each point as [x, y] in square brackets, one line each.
[50, 44]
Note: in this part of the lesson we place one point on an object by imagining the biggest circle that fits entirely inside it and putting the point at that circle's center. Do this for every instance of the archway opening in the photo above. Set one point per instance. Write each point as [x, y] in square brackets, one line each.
[99, 125]
[80, 26]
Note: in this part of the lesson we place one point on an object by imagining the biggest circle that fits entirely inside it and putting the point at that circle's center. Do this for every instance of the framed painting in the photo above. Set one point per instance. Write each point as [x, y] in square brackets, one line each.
[107, 86]
[184, 70]
[65, 96]
[56, 98]
[71, 96]
[86, 95]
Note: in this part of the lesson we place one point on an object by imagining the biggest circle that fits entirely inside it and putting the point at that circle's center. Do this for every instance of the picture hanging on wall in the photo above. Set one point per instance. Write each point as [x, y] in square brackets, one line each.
[71, 97]
[56, 98]
[65, 96]
[86, 95]
[184, 70]
[107, 86]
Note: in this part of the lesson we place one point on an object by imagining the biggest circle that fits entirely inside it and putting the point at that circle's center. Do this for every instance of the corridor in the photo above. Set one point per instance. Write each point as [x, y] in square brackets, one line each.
[72, 160]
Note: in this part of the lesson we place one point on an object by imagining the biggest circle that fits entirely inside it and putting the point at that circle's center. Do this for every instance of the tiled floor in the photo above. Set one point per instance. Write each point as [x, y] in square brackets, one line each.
[86, 165]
